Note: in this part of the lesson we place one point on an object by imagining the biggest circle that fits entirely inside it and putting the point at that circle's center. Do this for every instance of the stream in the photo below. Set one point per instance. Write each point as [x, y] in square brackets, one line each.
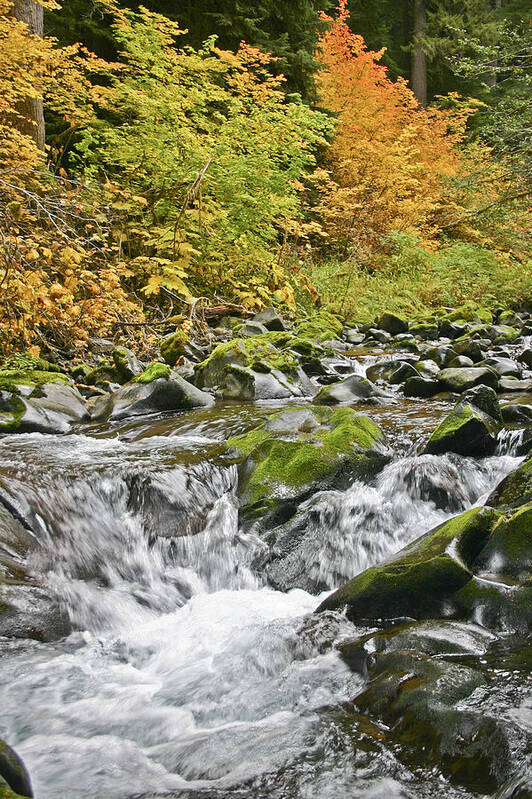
[160, 661]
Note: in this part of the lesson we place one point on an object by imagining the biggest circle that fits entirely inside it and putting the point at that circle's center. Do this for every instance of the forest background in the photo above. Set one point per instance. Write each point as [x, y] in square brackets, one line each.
[166, 162]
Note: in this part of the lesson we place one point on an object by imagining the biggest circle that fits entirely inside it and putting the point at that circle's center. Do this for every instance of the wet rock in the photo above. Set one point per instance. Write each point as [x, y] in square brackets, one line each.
[421, 387]
[151, 393]
[467, 430]
[379, 335]
[383, 371]
[351, 390]
[515, 489]
[460, 362]
[517, 414]
[497, 603]
[403, 372]
[426, 331]
[502, 334]
[469, 348]
[44, 408]
[510, 384]
[284, 466]
[460, 380]
[391, 323]
[271, 320]
[508, 551]
[442, 356]
[452, 330]
[505, 367]
[484, 398]
[526, 358]
[354, 337]
[427, 368]
[422, 700]
[423, 577]
[13, 772]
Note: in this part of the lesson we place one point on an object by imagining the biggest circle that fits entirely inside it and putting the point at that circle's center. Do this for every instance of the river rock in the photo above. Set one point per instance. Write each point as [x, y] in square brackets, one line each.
[351, 390]
[517, 414]
[403, 372]
[423, 702]
[297, 452]
[526, 357]
[421, 387]
[467, 430]
[271, 320]
[505, 367]
[252, 328]
[460, 362]
[258, 368]
[13, 773]
[452, 330]
[508, 551]
[515, 489]
[426, 331]
[427, 368]
[471, 349]
[421, 579]
[510, 384]
[442, 355]
[459, 380]
[391, 323]
[383, 371]
[46, 407]
[156, 390]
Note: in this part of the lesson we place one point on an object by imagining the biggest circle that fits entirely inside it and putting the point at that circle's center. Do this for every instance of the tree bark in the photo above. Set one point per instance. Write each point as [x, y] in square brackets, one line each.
[419, 59]
[32, 124]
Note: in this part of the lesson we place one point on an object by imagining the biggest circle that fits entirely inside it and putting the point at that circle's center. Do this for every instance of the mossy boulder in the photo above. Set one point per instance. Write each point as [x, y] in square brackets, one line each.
[460, 380]
[391, 323]
[515, 490]
[427, 331]
[351, 390]
[296, 452]
[321, 326]
[467, 430]
[260, 367]
[470, 313]
[496, 604]
[35, 401]
[508, 551]
[156, 390]
[421, 579]
[421, 387]
[421, 700]
[173, 347]
[13, 773]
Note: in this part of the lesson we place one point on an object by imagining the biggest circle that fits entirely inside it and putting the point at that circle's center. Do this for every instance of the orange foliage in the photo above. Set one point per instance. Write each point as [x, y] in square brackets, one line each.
[390, 159]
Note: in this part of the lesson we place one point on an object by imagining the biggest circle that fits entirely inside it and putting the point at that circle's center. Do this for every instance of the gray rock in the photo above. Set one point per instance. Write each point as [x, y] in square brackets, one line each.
[161, 395]
[460, 362]
[427, 368]
[460, 380]
[58, 407]
[526, 358]
[505, 367]
[271, 320]
[391, 323]
[518, 415]
[252, 328]
[421, 387]
[512, 384]
[353, 389]
[403, 373]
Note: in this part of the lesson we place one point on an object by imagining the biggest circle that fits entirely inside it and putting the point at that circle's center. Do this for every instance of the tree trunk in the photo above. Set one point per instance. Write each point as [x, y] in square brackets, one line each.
[419, 60]
[31, 109]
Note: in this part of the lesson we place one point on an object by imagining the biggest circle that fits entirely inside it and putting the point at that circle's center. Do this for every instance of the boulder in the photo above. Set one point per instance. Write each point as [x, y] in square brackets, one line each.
[421, 387]
[173, 347]
[469, 348]
[515, 490]
[505, 367]
[460, 380]
[351, 390]
[510, 384]
[252, 328]
[526, 357]
[403, 372]
[41, 402]
[517, 414]
[156, 390]
[440, 355]
[391, 323]
[508, 551]
[467, 430]
[297, 452]
[422, 578]
[460, 362]
[426, 331]
[427, 368]
[383, 371]
[321, 326]
[13, 773]
[271, 320]
[452, 330]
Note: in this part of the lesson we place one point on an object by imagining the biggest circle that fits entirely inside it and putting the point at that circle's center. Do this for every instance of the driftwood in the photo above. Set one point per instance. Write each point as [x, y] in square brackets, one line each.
[228, 309]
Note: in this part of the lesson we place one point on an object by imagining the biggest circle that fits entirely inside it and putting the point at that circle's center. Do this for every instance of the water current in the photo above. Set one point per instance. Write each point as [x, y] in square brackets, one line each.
[179, 671]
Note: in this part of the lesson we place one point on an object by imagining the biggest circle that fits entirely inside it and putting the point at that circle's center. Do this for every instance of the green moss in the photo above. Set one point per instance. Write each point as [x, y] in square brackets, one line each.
[515, 490]
[422, 575]
[509, 548]
[323, 326]
[102, 374]
[28, 363]
[81, 371]
[173, 347]
[11, 378]
[470, 313]
[467, 430]
[343, 440]
[154, 371]
[11, 417]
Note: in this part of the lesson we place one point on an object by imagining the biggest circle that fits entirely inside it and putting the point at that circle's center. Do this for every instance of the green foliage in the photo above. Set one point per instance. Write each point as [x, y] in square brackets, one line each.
[203, 158]
[413, 280]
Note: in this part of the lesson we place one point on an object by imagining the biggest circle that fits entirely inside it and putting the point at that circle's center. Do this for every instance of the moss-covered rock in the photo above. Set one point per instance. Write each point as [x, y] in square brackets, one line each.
[173, 347]
[427, 331]
[391, 323]
[467, 430]
[460, 380]
[48, 404]
[157, 390]
[508, 551]
[351, 390]
[321, 326]
[13, 772]
[515, 489]
[470, 313]
[421, 387]
[16, 380]
[421, 579]
[324, 448]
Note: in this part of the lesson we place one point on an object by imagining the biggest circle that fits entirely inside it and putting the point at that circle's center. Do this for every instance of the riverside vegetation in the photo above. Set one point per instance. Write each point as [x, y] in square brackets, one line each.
[265, 400]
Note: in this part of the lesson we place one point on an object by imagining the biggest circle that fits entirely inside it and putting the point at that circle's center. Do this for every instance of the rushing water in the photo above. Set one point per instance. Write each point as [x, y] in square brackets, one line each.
[180, 669]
